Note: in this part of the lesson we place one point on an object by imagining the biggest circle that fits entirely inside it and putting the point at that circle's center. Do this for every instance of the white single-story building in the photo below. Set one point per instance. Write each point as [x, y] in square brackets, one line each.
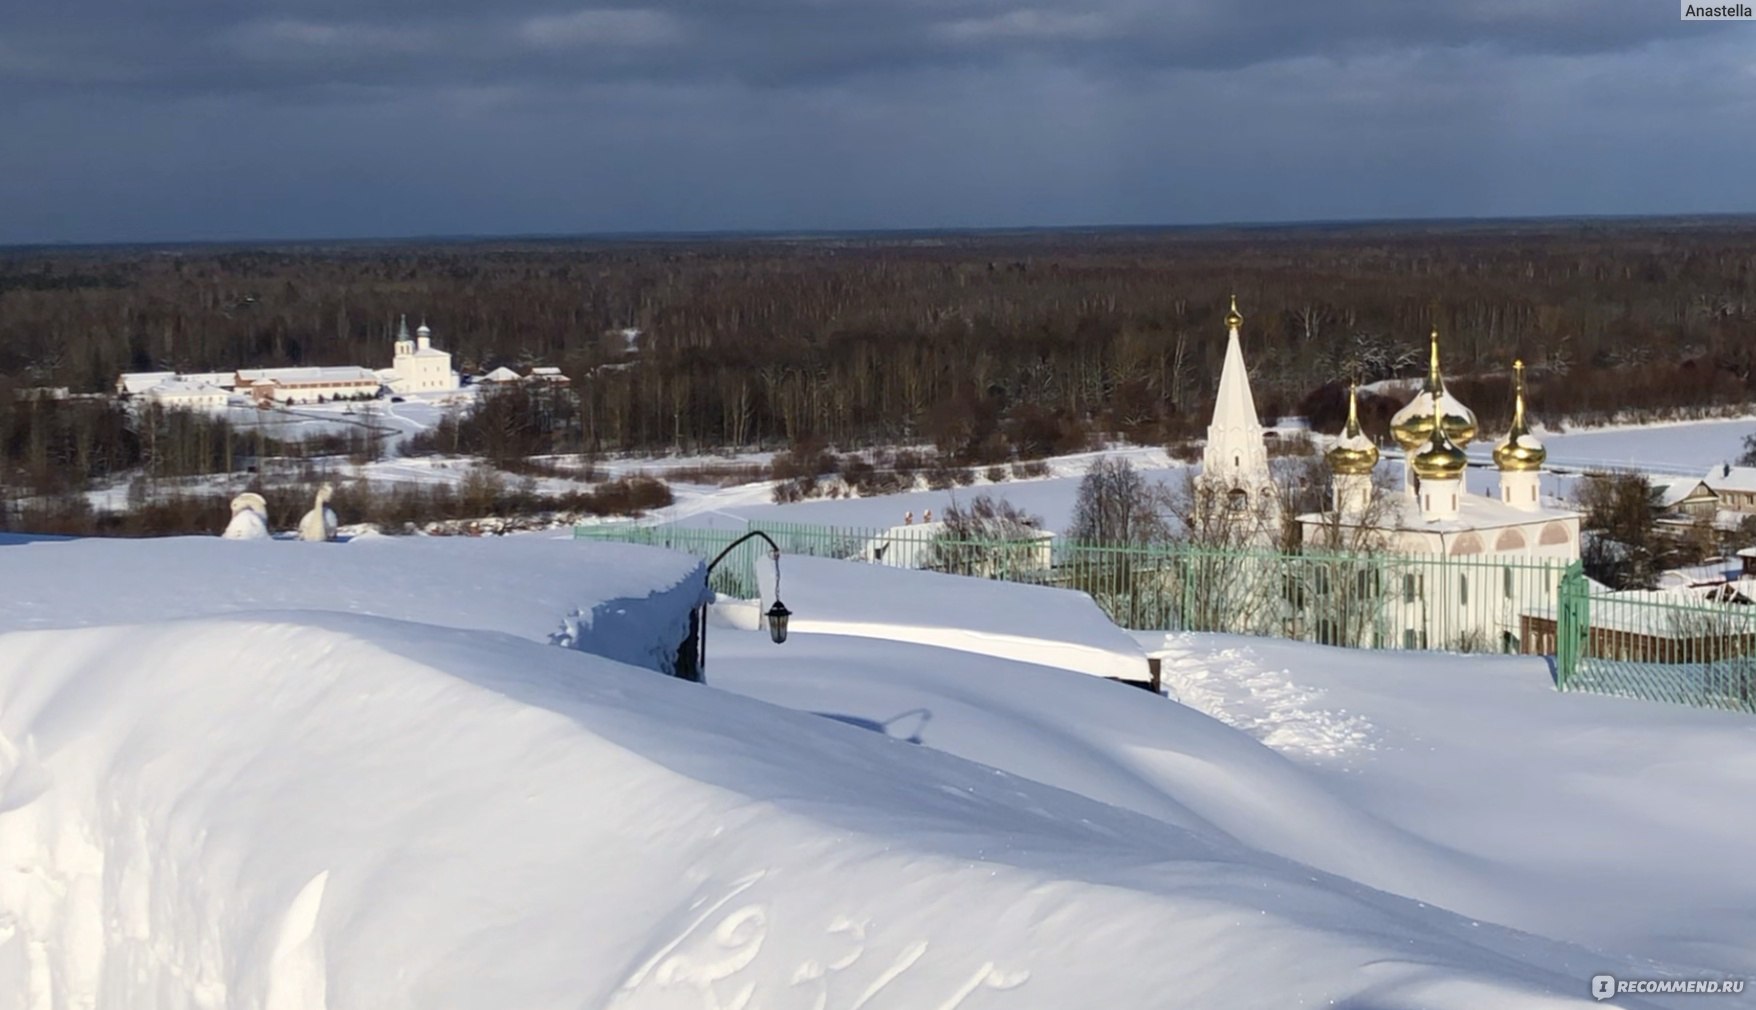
[308, 385]
[186, 394]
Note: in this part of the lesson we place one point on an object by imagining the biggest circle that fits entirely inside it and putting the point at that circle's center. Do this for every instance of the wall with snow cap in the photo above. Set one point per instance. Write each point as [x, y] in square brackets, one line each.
[1034, 624]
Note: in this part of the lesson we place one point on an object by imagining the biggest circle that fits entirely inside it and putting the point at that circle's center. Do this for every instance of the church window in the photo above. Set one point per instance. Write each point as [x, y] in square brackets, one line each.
[1463, 590]
[1238, 500]
[1506, 578]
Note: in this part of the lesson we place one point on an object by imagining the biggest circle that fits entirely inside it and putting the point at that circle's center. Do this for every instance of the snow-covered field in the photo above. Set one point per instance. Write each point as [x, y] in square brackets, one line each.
[320, 776]
[1664, 450]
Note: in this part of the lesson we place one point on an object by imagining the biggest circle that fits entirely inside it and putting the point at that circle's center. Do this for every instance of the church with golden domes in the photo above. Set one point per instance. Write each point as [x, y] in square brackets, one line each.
[1434, 512]
[1450, 565]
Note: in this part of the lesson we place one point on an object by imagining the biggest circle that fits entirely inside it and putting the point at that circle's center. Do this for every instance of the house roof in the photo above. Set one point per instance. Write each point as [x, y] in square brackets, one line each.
[140, 382]
[184, 388]
[338, 373]
[1684, 489]
[1731, 478]
[1708, 573]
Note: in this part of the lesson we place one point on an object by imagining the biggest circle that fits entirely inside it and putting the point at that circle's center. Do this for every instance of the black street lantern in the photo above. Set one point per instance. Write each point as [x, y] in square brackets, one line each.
[776, 616]
[777, 621]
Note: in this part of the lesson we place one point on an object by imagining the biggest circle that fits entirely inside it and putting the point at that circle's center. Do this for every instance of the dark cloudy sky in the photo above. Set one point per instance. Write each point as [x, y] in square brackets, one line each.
[192, 119]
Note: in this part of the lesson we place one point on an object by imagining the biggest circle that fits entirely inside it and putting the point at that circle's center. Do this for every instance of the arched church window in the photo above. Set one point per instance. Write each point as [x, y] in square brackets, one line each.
[1238, 500]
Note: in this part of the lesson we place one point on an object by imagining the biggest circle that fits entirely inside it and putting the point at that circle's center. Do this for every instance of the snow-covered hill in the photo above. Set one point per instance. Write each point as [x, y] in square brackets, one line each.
[228, 797]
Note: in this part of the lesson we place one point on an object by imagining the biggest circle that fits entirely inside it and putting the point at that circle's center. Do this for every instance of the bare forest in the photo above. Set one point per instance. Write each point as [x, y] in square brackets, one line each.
[991, 347]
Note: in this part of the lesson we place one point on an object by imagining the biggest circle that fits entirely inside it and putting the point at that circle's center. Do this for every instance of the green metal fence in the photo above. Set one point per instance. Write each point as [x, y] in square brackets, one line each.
[1375, 600]
[1661, 646]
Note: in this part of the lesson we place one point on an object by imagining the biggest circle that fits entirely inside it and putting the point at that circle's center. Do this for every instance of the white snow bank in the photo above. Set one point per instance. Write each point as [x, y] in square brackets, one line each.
[1616, 823]
[628, 603]
[1034, 624]
[324, 811]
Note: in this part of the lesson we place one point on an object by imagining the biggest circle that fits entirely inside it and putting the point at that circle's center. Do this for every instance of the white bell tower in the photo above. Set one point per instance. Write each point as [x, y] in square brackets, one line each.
[1236, 457]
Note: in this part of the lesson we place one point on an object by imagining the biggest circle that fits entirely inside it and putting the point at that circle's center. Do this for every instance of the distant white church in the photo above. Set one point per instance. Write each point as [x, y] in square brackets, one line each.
[418, 366]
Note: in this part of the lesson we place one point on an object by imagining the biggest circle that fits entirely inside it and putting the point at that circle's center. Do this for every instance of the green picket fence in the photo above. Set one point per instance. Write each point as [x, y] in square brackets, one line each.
[1657, 646]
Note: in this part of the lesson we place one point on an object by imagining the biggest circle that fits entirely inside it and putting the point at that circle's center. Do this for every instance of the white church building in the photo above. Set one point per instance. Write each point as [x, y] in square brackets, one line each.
[418, 366]
[1449, 568]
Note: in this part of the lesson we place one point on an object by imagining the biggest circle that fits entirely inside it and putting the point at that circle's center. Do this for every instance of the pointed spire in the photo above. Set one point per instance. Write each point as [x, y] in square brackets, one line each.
[1353, 453]
[1518, 423]
[1435, 380]
[1235, 406]
[402, 328]
[1519, 450]
[1235, 447]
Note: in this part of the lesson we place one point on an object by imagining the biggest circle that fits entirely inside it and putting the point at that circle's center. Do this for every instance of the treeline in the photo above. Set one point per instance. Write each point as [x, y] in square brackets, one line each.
[961, 340]
[398, 508]
[52, 447]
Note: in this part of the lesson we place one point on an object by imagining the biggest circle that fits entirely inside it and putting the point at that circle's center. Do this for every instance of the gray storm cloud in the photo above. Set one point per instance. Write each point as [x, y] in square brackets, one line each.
[194, 119]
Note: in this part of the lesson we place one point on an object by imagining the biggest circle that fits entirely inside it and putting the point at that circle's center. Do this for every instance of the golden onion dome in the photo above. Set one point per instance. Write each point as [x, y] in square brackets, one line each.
[1233, 319]
[1519, 451]
[1441, 459]
[1412, 426]
[1352, 455]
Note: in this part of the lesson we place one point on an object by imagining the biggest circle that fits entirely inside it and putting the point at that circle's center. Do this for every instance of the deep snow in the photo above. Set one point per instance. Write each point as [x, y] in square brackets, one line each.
[234, 796]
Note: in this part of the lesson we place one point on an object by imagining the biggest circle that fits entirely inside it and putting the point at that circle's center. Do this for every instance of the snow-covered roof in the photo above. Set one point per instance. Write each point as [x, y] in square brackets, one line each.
[182, 389]
[545, 370]
[140, 382]
[1708, 573]
[1474, 512]
[323, 374]
[1731, 478]
[501, 374]
[1683, 489]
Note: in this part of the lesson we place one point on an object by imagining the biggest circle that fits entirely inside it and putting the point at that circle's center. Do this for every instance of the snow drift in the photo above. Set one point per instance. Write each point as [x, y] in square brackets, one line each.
[627, 603]
[320, 811]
